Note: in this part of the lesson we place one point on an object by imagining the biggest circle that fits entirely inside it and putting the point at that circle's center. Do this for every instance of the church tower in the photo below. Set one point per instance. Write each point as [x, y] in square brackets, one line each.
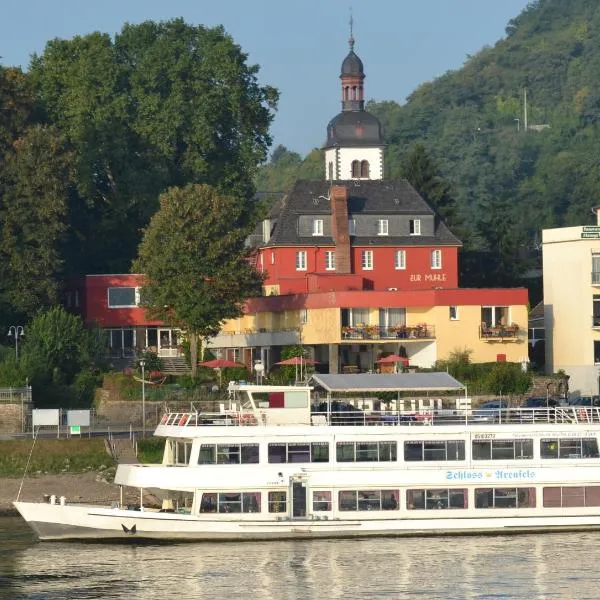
[354, 146]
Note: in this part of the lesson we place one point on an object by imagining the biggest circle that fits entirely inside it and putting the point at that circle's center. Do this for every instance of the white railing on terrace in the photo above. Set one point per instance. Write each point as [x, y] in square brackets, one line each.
[355, 416]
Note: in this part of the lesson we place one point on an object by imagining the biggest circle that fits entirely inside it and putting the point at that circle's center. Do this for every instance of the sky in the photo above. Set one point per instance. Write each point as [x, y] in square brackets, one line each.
[299, 45]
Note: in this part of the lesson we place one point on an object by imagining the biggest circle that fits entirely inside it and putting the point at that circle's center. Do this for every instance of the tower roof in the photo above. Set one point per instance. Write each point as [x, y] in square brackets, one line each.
[352, 65]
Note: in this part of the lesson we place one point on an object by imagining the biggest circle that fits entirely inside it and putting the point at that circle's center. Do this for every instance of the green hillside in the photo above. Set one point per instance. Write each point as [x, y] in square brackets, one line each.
[508, 182]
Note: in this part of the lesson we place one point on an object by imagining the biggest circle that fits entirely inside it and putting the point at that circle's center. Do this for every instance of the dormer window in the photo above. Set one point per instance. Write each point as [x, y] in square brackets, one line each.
[382, 227]
[318, 227]
[351, 226]
[414, 226]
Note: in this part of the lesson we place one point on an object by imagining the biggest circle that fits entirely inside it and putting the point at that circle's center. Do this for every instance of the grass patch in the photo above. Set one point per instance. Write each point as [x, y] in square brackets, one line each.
[53, 457]
[151, 450]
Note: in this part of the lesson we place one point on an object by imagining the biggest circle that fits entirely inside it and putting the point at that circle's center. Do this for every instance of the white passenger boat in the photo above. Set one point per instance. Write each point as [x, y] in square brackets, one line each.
[265, 467]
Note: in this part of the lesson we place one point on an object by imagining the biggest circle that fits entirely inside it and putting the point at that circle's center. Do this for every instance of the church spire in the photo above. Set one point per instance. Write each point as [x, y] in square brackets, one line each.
[352, 77]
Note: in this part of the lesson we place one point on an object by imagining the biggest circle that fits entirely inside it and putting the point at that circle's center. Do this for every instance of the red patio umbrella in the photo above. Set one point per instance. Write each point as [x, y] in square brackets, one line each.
[298, 360]
[393, 358]
[220, 363]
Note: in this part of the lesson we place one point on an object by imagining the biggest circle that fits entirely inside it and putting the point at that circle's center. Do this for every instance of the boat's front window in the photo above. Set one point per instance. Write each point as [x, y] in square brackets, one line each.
[182, 453]
[228, 454]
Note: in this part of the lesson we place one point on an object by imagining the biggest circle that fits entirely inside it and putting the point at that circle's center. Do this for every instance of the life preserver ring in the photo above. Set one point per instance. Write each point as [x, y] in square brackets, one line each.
[184, 419]
[247, 419]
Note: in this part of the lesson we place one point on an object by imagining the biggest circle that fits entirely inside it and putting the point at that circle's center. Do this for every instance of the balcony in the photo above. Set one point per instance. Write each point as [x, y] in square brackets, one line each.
[499, 333]
[420, 332]
[250, 338]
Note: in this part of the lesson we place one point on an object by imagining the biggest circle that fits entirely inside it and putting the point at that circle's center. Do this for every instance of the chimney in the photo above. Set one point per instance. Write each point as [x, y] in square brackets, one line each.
[339, 228]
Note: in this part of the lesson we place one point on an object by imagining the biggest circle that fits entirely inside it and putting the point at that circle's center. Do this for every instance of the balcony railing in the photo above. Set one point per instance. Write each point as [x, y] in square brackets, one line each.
[375, 332]
[499, 332]
[595, 277]
[595, 321]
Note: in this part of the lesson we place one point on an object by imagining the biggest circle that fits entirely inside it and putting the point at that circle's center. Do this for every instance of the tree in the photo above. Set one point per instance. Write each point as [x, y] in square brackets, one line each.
[57, 347]
[34, 208]
[197, 270]
[164, 104]
[421, 172]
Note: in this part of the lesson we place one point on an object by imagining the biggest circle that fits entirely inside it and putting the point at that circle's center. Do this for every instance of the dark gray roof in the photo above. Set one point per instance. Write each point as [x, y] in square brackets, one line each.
[372, 197]
[352, 65]
[401, 382]
[354, 128]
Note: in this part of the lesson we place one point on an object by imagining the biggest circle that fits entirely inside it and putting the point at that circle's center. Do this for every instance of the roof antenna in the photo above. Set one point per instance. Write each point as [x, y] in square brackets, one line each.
[351, 39]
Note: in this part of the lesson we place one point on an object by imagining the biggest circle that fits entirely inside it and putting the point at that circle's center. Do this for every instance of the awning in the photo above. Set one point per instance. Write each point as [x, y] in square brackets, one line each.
[400, 382]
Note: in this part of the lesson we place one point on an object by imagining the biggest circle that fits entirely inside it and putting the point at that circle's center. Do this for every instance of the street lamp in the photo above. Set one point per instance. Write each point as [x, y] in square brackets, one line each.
[143, 366]
[18, 331]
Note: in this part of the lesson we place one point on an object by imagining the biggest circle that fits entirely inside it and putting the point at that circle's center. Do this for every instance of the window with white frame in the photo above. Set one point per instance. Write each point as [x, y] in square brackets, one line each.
[329, 260]
[301, 260]
[436, 259]
[318, 227]
[303, 316]
[123, 297]
[367, 260]
[382, 227]
[351, 226]
[414, 226]
[400, 259]
[453, 313]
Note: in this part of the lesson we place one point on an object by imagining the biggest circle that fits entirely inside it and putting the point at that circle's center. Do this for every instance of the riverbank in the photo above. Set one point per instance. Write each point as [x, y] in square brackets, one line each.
[82, 487]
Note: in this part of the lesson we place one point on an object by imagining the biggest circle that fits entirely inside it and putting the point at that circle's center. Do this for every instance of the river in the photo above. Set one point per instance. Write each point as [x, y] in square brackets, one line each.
[553, 566]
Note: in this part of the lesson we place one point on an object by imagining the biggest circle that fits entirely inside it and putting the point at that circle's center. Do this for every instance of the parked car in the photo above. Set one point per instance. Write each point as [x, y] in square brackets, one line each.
[539, 402]
[342, 413]
[585, 401]
[490, 411]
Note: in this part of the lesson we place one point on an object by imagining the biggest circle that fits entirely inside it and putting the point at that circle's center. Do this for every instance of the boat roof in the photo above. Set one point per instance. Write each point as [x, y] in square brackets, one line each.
[397, 382]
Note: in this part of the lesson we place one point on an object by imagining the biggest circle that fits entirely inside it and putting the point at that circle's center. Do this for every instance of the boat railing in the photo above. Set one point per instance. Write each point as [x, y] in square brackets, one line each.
[356, 416]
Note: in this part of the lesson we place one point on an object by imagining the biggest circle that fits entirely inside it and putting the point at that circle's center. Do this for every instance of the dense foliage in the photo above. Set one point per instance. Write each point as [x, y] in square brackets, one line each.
[98, 128]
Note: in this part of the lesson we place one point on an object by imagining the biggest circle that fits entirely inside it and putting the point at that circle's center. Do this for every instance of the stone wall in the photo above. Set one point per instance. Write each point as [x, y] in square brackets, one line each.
[11, 417]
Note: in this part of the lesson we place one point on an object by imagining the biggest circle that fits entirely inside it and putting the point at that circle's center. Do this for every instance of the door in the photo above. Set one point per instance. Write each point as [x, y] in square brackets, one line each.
[167, 342]
[299, 493]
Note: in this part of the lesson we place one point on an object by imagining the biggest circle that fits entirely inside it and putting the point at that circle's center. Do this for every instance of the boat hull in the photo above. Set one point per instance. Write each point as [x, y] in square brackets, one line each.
[74, 522]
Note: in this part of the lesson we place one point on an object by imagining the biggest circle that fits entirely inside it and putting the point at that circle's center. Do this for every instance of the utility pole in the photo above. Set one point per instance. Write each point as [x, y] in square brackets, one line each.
[525, 109]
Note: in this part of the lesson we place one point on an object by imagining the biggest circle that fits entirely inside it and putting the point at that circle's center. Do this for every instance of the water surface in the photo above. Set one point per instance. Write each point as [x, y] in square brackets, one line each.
[552, 566]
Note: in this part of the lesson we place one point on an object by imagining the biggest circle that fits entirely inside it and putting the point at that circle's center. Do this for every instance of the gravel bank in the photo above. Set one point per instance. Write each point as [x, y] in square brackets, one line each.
[84, 487]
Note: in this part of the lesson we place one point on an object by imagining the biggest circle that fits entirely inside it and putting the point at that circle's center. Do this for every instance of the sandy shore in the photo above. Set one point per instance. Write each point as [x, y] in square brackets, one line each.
[84, 487]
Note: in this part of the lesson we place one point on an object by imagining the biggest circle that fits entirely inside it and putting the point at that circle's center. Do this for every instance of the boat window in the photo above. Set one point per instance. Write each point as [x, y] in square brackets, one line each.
[355, 500]
[436, 499]
[570, 496]
[502, 449]
[366, 451]
[277, 502]
[228, 454]
[321, 500]
[505, 498]
[569, 448]
[434, 450]
[236, 502]
[182, 453]
[298, 453]
[208, 504]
